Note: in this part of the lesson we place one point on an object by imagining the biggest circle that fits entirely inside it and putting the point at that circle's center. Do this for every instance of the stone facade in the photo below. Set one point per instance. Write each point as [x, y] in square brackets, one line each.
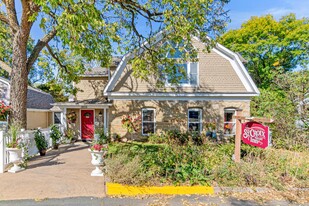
[171, 115]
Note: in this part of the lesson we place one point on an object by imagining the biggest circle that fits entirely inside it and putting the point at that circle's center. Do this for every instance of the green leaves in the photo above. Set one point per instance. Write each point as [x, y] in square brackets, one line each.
[270, 46]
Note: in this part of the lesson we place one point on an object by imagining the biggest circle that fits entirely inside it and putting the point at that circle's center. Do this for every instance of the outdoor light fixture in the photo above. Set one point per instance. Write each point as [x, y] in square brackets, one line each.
[100, 114]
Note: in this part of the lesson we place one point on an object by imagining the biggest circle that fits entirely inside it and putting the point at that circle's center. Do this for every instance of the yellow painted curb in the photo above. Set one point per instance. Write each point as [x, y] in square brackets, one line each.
[118, 189]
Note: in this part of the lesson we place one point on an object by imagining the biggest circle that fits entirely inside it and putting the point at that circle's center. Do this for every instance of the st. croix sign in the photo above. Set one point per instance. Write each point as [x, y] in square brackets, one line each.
[255, 134]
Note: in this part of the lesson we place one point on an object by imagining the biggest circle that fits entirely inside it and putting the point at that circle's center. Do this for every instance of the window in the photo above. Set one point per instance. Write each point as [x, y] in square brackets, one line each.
[229, 122]
[57, 117]
[148, 121]
[195, 120]
[187, 72]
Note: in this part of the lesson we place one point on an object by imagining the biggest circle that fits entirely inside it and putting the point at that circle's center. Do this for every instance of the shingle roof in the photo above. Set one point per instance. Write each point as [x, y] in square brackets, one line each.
[102, 71]
[37, 99]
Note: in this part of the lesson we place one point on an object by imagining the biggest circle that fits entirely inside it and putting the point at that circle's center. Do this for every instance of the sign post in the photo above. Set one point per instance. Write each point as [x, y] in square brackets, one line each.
[251, 132]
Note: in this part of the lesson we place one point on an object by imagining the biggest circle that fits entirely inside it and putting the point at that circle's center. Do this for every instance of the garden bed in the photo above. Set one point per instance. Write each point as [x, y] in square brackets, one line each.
[206, 164]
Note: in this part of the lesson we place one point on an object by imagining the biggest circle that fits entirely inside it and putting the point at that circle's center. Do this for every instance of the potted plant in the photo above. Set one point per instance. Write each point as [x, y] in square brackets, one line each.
[55, 135]
[14, 148]
[98, 150]
[69, 135]
[40, 142]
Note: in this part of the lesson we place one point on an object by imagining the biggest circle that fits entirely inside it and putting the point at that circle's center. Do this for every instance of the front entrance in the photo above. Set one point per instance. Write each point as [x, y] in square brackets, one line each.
[87, 124]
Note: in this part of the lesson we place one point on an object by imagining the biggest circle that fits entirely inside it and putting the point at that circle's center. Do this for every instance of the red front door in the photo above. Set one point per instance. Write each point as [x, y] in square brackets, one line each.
[87, 124]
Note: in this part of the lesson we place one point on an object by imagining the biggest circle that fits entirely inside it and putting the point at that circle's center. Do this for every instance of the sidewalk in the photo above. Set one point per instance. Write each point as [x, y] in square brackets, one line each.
[61, 173]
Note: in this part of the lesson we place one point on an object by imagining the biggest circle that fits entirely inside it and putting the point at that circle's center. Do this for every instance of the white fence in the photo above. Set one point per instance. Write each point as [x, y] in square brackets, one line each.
[27, 137]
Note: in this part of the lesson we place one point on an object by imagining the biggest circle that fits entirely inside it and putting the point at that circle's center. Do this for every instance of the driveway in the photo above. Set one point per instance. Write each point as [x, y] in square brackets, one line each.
[61, 173]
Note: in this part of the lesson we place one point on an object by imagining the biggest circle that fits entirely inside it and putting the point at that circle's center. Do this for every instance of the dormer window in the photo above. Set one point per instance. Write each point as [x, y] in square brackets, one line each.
[186, 73]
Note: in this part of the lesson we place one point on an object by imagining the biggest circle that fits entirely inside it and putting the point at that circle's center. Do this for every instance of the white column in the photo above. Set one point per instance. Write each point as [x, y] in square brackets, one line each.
[105, 121]
[64, 118]
[2, 152]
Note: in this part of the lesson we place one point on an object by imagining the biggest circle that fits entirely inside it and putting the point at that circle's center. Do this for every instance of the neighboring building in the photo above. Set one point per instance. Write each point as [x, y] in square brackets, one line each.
[218, 87]
[38, 105]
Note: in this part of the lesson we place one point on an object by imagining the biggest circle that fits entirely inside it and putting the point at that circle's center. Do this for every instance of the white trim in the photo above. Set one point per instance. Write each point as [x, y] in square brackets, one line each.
[38, 110]
[237, 65]
[200, 118]
[82, 106]
[239, 68]
[149, 98]
[230, 111]
[154, 120]
[105, 121]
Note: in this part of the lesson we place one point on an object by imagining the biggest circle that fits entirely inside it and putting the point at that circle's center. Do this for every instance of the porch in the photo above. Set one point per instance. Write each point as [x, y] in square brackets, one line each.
[61, 173]
[82, 117]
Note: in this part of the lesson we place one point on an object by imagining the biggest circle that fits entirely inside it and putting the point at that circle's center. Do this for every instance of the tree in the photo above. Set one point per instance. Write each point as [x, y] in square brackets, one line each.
[271, 47]
[55, 89]
[89, 28]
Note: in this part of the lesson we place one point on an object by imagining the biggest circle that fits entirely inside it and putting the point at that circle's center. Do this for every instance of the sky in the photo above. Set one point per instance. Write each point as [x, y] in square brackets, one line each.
[242, 10]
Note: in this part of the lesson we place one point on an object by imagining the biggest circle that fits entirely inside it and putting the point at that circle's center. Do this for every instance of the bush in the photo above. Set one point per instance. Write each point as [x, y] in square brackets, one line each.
[55, 134]
[208, 164]
[40, 140]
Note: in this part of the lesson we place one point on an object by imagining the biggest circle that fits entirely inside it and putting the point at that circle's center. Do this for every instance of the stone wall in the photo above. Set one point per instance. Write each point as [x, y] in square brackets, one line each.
[172, 114]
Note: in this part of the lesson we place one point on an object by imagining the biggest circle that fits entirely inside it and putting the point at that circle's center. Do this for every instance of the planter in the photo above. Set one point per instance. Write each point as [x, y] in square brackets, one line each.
[56, 146]
[42, 152]
[15, 158]
[97, 161]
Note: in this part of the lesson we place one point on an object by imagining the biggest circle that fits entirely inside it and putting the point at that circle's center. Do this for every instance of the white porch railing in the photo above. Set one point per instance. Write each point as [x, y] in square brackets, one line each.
[27, 137]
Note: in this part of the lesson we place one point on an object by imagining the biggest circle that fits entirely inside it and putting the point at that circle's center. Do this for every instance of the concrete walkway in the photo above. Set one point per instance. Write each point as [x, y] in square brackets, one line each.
[61, 173]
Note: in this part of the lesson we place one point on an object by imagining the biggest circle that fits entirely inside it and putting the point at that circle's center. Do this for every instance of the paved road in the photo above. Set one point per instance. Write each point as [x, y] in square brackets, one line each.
[154, 201]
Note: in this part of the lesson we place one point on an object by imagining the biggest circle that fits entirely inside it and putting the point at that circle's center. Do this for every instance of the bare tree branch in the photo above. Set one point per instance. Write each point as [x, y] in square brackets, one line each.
[38, 48]
[6, 67]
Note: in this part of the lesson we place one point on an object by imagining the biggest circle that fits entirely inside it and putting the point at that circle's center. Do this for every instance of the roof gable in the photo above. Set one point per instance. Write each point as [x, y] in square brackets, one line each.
[236, 64]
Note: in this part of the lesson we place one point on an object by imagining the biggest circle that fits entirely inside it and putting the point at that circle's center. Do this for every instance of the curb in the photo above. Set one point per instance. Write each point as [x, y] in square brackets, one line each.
[118, 189]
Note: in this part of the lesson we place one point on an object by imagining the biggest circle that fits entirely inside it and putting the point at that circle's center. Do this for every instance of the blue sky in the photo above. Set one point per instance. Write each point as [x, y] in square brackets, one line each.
[242, 10]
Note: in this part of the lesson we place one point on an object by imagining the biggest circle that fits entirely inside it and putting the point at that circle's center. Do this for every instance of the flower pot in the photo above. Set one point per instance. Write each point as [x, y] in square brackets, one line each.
[42, 152]
[97, 161]
[15, 158]
[56, 146]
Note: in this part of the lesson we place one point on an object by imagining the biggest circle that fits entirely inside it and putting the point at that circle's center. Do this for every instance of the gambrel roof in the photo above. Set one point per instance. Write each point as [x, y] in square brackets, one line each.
[233, 60]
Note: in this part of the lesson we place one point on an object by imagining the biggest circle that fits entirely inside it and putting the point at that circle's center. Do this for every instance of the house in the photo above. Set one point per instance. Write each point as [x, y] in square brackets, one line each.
[38, 105]
[219, 87]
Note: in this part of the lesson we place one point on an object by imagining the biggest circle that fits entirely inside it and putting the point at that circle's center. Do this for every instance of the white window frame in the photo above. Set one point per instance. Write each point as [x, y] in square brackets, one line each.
[189, 64]
[54, 118]
[231, 110]
[200, 118]
[154, 120]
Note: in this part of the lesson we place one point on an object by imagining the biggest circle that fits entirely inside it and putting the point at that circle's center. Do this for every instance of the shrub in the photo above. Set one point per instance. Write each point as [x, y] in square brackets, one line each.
[55, 134]
[40, 140]
[208, 164]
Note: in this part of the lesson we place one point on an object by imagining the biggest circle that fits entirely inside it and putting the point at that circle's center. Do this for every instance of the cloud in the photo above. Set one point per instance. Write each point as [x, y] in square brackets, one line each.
[278, 8]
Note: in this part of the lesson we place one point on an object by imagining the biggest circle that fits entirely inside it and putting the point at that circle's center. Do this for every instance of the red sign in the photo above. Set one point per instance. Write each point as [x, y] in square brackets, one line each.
[255, 134]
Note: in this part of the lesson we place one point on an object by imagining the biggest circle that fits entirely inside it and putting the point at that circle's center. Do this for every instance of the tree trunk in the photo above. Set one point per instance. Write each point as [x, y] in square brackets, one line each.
[19, 81]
